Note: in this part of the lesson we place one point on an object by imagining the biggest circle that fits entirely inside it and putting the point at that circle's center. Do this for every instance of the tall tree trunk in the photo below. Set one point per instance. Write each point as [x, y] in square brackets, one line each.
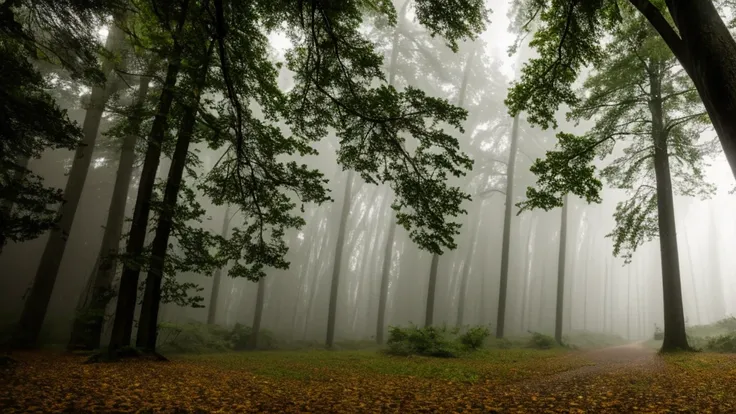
[560, 307]
[527, 259]
[718, 307]
[606, 288]
[431, 289]
[674, 318]
[128, 289]
[216, 278]
[87, 329]
[694, 285]
[628, 304]
[337, 265]
[506, 244]
[385, 274]
[639, 313]
[148, 323]
[36, 304]
[466, 274]
[258, 315]
[586, 275]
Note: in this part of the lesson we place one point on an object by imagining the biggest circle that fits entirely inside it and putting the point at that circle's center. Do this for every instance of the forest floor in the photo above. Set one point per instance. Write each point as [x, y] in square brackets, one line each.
[630, 378]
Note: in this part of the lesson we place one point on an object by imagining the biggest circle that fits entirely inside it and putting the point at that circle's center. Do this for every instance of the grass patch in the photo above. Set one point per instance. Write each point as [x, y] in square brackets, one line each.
[496, 365]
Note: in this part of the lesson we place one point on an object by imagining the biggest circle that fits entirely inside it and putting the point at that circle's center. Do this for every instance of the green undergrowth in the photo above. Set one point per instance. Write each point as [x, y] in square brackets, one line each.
[492, 365]
[719, 337]
[436, 341]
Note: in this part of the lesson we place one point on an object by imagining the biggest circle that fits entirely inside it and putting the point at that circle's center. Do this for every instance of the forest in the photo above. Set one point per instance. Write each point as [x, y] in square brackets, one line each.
[367, 206]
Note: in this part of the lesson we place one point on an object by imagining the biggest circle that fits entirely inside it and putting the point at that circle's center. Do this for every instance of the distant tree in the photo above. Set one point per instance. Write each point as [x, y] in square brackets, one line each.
[637, 94]
[561, 262]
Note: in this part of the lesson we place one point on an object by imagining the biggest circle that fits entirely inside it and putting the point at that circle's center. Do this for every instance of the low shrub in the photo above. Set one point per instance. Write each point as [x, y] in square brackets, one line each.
[728, 324]
[541, 341]
[475, 337]
[435, 341]
[723, 343]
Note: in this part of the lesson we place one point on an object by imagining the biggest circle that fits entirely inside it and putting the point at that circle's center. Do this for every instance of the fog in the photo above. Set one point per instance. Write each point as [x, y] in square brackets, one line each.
[602, 292]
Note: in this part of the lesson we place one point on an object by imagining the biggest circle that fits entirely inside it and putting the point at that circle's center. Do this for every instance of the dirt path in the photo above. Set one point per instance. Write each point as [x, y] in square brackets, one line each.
[634, 356]
[581, 387]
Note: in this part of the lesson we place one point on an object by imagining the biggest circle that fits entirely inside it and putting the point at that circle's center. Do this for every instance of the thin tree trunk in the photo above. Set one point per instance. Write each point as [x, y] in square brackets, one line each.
[628, 304]
[696, 302]
[718, 307]
[606, 288]
[87, 329]
[674, 319]
[640, 314]
[526, 275]
[506, 244]
[216, 278]
[258, 315]
[431, 288]
[337, 265]
[560, 307]
[148, 323]
[128, 289]
[466, 274]
[391, 234]
[586, 275]
[36, 304]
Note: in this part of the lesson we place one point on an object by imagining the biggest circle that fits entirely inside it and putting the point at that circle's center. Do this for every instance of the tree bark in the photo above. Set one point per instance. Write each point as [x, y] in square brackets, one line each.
[36, 304]
[707, 51]
[674, 320]
[696, 302]
[628, 303]
[148, 323]
[127, 292]
[256, 329]
[525, 293]
[560, 308]
[606, 289]
[506, 244]
[718, 307]
[216, 278]
[87, 329]
[337, 265]
[431, 289]
[586, 275]
[466, 274]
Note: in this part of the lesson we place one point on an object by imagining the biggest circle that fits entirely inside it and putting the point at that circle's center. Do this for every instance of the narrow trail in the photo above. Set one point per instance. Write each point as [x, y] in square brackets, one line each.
[629, 357]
